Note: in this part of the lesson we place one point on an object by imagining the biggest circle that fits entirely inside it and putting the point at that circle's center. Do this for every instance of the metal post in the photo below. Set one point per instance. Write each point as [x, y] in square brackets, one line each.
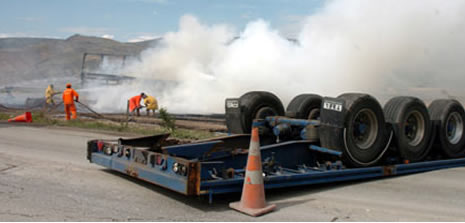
[124, 60]
[210, 196]
[82, 68]
[127, 114]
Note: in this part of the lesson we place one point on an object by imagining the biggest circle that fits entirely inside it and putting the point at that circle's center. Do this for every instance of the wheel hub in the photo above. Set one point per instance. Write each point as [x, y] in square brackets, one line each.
[414, 129]
[365, 128]
[454, 128]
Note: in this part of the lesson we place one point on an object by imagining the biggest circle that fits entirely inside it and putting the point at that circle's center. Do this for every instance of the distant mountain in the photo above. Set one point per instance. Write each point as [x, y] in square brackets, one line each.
[23, 59]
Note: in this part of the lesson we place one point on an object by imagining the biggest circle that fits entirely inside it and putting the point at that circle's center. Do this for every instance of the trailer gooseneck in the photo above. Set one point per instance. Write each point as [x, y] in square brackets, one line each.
[317, 140]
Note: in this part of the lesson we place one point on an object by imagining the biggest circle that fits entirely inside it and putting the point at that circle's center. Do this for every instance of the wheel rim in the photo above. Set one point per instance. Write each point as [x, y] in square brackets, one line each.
[454, 128]
[414, 128]
[314, 114]
[365, 128]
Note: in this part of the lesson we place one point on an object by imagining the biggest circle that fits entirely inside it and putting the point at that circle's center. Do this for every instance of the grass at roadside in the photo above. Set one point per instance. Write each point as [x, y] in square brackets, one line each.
[41, 118]
[4, 116]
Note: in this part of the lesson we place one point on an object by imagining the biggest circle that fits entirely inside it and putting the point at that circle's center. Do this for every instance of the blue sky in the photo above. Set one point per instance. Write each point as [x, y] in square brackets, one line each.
[129, 20]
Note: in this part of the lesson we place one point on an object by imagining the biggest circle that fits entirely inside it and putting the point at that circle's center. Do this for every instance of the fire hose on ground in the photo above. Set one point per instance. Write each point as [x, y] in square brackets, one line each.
[100, 115]
[91, 110]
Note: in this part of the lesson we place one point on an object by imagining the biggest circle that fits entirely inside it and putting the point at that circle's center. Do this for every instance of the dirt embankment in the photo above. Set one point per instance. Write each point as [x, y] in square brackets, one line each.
[187, 122]
[214, 123]
[26, 59]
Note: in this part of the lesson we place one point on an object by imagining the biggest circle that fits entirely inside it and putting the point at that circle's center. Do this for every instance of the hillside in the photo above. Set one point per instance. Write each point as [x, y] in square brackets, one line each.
[24, 59]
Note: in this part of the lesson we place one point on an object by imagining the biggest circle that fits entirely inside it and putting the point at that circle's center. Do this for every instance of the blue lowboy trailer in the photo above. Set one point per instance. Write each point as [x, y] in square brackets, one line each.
[318, 140]
[217, 165]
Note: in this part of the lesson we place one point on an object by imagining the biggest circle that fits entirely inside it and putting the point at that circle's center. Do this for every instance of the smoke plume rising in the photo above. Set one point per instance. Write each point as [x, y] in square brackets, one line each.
[385, 48]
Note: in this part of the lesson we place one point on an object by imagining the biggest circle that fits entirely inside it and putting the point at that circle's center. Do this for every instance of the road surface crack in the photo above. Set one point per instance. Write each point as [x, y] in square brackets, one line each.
[9, 167]
[20, 214]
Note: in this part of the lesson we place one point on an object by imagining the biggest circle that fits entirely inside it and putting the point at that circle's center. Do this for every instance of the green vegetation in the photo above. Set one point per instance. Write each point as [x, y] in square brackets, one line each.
[41, 118]
[5, 116]
[167, 120]
[168, 123]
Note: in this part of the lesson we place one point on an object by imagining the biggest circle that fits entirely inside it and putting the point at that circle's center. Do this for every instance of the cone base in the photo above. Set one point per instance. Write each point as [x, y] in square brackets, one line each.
[12, 120]
[254, 212]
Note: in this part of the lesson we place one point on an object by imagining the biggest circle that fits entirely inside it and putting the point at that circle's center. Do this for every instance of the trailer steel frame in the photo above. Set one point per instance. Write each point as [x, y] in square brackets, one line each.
[216, 166]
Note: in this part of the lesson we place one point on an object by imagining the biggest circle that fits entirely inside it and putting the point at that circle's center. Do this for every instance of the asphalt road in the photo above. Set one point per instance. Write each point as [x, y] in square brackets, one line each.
[44, 176]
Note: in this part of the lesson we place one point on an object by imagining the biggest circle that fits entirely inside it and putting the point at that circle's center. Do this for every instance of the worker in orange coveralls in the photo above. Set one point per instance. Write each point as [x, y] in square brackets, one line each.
[69, 96]
[134, 103]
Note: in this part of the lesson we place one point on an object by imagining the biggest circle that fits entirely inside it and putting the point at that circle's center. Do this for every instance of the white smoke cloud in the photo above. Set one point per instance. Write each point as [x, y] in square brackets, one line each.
[383, 47]
[389, 43]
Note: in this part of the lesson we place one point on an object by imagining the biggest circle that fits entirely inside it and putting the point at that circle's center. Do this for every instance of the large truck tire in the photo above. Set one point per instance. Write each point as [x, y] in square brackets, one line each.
[412, 127]
[354, 124]
[304, 106]
[448, 118]
[258, 105]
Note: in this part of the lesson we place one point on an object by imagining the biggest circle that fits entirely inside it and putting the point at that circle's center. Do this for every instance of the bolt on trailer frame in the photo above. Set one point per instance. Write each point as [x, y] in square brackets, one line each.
[216, 166]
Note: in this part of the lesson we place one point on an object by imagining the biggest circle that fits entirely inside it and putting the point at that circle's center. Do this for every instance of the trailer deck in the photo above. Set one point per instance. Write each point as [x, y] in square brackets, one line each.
[217, 166]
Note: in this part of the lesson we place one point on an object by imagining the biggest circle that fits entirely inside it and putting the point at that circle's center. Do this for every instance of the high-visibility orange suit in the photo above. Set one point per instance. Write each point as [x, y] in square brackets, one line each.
[69, 95]
[134, 103]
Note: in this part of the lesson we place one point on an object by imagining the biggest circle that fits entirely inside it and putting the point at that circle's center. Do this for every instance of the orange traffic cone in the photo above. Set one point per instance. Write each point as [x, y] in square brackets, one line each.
[253, 192]
[26, 117]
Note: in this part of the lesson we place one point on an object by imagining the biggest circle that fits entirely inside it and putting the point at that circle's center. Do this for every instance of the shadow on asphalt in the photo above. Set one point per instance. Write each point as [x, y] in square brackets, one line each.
[221, 202]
